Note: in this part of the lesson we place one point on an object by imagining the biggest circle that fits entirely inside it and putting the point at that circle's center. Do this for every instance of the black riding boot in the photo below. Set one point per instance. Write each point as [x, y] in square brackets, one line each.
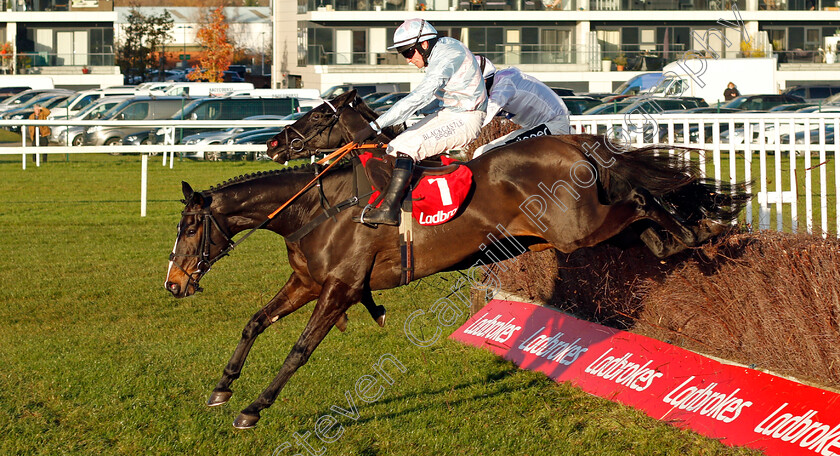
[388, 213]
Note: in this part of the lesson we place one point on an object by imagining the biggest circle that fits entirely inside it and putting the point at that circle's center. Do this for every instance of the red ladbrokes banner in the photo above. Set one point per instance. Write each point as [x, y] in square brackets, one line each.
[737, 405]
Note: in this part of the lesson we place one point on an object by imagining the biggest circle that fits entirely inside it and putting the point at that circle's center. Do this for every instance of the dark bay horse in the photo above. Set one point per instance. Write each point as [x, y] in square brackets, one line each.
[537, 190]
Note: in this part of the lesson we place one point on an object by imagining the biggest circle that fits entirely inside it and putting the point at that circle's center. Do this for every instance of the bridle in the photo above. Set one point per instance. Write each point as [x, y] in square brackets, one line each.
[204, 260]
[298, 144]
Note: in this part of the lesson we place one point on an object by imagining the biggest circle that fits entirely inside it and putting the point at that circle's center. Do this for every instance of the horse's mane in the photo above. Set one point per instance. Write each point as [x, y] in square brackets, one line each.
[308, 168]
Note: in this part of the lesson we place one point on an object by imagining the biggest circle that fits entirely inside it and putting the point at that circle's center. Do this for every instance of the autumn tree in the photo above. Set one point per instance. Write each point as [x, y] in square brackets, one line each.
[143, 42]
[218, 51]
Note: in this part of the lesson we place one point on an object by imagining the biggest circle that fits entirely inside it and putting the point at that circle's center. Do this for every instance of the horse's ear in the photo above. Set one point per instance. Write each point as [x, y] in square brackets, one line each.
[188, 191]
[349, 95]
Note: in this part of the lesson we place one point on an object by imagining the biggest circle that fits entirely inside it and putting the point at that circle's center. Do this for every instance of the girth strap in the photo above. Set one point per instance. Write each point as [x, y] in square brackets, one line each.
[323, 216]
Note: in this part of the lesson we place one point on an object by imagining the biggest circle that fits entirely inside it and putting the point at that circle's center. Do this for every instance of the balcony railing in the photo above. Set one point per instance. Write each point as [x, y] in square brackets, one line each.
[54, 59]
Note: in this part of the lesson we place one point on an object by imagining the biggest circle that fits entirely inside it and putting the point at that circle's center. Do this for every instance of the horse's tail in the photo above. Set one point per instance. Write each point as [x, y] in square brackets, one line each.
[675, 182]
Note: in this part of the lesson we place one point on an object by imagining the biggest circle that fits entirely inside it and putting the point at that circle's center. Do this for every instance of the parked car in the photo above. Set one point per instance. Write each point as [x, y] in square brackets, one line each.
[612, 107]
[211, 137]
[259, 136]
[653, 105]
[24, 97]
[227, 108]
[79, 100]
[382, 104]
[23, 111]
[136, 108]
[563, 92]
[813, 92]
[761, 102]
[361, 89]
[577, 104]
[790, 107]
[75, 135]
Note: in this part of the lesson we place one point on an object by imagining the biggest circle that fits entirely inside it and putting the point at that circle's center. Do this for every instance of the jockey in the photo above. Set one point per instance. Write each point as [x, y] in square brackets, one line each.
[526, 101]
[454, 81]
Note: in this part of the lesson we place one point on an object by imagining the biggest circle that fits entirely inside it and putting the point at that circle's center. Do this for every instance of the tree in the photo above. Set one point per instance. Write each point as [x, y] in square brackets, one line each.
[144, 38]
[218, 51]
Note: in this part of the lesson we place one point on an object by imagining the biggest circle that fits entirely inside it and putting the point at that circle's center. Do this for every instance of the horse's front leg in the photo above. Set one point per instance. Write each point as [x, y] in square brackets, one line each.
[336, 297]
[294, 294]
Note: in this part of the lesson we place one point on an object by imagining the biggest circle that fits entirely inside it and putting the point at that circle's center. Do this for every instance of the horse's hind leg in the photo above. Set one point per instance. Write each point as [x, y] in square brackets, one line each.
[677, 238]
[336, 297]
[291, 297]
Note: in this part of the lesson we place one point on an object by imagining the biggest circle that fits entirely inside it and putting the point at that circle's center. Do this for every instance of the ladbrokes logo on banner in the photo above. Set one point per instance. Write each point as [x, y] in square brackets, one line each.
[737, 405]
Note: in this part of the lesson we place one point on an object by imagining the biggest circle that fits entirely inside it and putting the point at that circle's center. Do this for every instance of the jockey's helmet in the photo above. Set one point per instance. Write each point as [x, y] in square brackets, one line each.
[410, 34]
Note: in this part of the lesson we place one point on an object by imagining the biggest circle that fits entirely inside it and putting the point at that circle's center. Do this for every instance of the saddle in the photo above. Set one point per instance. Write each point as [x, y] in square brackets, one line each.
[378, 167]
[438, 185]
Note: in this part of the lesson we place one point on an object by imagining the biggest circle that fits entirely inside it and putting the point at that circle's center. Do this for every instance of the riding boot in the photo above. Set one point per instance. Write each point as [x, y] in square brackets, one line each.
[388, 213]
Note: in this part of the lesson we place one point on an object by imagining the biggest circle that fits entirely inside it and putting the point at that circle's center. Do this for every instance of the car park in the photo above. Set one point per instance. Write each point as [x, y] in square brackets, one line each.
[135, 108]
[24, 97]
[612, 107]
[578, 104]
[761, 102]
[24, 110]
[81, 99]
[212, 137]
[382, 103]
[259, 136]
[361, 89]
[653, 105]
[227, 108]
[813, 92]
[75, 134]
[789, 107]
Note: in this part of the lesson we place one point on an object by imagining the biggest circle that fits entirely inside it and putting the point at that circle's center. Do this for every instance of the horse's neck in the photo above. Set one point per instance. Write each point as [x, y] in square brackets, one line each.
[248, 204]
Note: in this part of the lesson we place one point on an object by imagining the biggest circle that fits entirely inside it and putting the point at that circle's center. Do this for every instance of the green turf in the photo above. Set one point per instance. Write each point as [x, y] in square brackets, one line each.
[98, 359]
[7, 136]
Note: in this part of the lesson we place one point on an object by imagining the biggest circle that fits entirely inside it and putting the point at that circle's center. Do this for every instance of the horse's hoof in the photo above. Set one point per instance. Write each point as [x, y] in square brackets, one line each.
[219, 398]
[245, 421]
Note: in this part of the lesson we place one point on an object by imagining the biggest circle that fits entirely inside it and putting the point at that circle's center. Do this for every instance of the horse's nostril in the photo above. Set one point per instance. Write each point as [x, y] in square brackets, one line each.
[173, 288]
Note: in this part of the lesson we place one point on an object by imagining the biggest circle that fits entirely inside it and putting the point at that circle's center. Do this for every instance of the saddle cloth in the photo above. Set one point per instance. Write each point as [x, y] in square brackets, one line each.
[436, 199]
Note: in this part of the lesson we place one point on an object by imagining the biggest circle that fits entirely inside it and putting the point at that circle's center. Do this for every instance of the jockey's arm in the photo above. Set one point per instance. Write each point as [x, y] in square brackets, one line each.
[501, 92]
[420, 97]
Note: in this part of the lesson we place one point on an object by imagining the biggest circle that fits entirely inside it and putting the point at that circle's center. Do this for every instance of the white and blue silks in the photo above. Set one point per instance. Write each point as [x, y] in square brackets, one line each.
[454, 80]
[529, 103]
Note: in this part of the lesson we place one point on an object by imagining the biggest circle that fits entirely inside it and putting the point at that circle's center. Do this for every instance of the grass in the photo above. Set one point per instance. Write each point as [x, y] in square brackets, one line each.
[9, 136]
[99, 359]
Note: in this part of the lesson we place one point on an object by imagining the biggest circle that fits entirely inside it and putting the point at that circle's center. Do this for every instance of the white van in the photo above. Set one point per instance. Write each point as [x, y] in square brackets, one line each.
[76, 103]
[278, 93]
[206, 89]
[13, 84]
[155, 86]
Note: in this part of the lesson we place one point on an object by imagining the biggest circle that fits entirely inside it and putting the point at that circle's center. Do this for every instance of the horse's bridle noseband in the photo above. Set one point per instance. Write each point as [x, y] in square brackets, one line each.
[298, 144]
[204, 260]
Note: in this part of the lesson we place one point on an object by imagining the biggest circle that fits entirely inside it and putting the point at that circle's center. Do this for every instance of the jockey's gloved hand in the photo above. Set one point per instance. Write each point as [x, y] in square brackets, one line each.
[367, 132]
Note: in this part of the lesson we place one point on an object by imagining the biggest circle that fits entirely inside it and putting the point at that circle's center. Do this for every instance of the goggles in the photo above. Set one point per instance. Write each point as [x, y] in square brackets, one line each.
[407, 52]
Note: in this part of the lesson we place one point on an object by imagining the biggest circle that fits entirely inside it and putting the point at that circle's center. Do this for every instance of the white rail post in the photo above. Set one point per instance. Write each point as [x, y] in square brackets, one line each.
[777, 140]
[794, 211]
[144, 179]
[23, 149]
[823, 180]
[809, 198]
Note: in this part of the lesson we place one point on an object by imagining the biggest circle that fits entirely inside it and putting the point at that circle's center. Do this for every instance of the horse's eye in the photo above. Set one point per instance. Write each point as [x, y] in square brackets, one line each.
[191, 232]
[317, 116]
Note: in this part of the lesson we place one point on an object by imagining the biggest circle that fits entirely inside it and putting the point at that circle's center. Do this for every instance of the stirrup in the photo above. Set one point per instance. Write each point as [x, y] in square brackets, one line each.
[361, 217]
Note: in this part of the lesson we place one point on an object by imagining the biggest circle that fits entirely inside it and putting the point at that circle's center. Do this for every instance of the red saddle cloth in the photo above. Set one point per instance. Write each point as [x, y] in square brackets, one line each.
[435, 199]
